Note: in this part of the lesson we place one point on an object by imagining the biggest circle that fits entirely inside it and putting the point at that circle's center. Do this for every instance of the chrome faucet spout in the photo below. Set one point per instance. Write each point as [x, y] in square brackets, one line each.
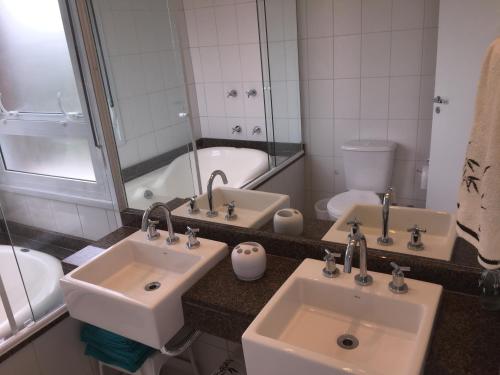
[358, 240]
[172, 238]
[349, 252]
[218, 172]
[386, 205]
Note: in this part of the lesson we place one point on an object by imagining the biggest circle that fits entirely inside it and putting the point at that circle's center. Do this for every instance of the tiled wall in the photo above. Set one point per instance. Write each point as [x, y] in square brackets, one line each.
[145, 65]
[74, 219]
[224, 49]
[367, 72]
[282, 51]
[288, 181]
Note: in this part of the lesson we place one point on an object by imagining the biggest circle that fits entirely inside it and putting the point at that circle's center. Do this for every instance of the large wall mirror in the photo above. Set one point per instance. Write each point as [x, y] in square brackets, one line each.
[326, 102]
[195, 87]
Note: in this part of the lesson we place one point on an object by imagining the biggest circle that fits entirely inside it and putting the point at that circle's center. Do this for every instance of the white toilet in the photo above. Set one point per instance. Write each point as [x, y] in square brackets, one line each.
[368, 170]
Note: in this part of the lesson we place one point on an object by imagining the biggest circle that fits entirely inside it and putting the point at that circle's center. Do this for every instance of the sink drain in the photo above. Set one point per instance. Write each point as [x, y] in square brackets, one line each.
[152, 286]
[148, 194]
[347, 342]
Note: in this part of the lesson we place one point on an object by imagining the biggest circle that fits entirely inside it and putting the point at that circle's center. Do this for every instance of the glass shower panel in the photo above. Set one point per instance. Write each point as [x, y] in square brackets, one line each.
[35, 64]
[15, 307]
[279, 51]
[141, 63]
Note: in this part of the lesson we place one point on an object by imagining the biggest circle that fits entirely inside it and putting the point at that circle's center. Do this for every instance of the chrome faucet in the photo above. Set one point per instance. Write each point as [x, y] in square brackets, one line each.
[211, 212]
[172, 238]
[385, 240]
[357, 240]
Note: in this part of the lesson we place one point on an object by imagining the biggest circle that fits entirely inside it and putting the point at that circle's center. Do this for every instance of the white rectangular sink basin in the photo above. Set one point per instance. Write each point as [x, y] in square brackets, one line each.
[438, 241]
[110, 291]
[297, 332]
[253, 208]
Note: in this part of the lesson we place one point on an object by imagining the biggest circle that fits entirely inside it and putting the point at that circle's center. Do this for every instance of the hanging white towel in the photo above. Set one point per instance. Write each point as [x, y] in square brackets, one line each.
[478, 215]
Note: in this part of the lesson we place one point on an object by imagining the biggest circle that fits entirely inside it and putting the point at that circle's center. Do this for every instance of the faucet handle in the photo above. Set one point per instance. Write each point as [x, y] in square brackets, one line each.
[230, 215]
[415, 242]
[398, 285]
[152, 233]
[355, 224]
[192, 242]
[416, 228]
[391, 194]
[330, 270]
[397, 268]
[354, 221]
[193, 206]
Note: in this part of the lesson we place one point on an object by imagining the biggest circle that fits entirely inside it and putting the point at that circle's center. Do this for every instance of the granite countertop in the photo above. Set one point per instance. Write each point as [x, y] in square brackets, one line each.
[465, 338]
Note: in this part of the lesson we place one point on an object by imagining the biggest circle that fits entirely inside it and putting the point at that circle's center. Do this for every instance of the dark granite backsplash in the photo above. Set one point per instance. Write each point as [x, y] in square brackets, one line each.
[454, 277]
[54, 243]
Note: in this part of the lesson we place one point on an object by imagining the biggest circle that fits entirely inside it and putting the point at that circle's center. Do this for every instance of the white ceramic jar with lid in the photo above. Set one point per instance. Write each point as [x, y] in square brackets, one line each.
[249, 261]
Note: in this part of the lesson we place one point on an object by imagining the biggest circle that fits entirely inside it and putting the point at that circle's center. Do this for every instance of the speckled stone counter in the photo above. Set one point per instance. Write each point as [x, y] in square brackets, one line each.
[465, 339]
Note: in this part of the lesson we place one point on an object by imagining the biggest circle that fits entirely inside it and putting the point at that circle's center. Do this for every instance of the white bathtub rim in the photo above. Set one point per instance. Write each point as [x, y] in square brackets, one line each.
[25, 333]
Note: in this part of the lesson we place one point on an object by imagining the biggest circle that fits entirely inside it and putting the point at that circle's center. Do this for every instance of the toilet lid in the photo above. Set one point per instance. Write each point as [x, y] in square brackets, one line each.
[343, 201]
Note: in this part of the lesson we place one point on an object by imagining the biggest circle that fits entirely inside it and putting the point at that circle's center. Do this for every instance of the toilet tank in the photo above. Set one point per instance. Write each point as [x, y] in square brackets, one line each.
[368, 164]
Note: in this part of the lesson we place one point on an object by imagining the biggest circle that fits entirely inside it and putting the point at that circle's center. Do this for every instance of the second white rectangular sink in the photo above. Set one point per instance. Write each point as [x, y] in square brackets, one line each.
[438, 240]
[322, 326]
[253, 208]
[134, 288]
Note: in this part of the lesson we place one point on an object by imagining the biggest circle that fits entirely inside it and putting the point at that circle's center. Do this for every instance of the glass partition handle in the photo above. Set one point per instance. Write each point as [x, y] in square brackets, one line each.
[8, 309]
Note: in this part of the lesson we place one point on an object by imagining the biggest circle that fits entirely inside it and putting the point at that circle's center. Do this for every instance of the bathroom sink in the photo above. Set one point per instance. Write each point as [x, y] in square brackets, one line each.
[253, 208]
[321, 326]
[134, 288]
[438, 240]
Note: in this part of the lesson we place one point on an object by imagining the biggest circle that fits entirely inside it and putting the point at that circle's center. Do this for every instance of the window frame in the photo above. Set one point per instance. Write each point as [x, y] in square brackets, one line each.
[63, 125]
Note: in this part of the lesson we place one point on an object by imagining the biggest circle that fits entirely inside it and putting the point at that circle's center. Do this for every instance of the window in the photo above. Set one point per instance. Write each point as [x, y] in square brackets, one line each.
[47, 139]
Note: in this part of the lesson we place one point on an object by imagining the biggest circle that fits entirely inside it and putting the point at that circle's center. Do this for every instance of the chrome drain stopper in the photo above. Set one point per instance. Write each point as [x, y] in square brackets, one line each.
[152, 286]
[347, 342]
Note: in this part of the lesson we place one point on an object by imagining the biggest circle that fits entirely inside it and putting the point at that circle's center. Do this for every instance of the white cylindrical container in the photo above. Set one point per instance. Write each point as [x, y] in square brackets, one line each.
[321, 210]
[249, 261]
[288, 221]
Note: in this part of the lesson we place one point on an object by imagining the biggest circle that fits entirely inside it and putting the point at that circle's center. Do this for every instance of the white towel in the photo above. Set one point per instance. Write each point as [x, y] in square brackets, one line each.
[478, 215]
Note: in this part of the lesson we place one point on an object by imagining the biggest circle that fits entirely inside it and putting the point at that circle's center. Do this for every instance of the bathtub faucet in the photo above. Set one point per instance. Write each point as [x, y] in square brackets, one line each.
[211, 212]
[172, 238]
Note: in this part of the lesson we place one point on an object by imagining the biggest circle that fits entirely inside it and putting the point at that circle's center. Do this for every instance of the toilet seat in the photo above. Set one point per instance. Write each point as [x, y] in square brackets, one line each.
[341, 202]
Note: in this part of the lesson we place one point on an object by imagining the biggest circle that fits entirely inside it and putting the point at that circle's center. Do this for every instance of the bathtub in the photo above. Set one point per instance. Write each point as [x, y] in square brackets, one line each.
[179, 179]
[41, 273]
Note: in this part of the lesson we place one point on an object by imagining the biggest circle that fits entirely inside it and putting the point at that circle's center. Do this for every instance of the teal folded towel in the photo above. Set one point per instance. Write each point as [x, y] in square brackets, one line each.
[113, 349]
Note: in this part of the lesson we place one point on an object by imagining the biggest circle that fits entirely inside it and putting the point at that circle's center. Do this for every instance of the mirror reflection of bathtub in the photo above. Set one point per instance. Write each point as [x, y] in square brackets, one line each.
[177, 180]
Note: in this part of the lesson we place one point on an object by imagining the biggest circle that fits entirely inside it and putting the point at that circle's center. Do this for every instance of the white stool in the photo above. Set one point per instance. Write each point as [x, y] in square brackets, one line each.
[152, 365]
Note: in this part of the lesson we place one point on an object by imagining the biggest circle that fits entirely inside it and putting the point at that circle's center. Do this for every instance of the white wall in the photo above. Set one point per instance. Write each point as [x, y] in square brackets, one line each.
[58, 351]
[147, 78]
[68, 218]
[282, 48]
[367, 72]
[224, 48]
[289, 181]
